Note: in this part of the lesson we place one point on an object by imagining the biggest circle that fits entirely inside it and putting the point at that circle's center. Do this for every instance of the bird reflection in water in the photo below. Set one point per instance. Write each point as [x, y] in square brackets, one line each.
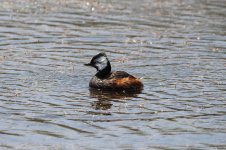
[105, 97]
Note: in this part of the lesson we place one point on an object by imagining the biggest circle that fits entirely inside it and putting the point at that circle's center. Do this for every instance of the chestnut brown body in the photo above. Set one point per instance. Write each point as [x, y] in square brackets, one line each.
[118, 80]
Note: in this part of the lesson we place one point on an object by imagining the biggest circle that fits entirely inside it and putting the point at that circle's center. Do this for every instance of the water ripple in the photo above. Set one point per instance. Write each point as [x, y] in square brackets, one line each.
[176, 47]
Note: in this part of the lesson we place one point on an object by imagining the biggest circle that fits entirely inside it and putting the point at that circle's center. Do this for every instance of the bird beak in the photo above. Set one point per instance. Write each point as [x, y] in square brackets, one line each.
[88, 64]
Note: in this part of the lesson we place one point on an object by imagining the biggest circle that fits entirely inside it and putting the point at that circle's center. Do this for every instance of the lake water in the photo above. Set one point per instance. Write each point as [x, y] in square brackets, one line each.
[177, 47]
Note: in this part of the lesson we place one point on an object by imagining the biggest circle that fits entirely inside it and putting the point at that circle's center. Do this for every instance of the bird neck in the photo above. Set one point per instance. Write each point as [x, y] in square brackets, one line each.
[102, 73]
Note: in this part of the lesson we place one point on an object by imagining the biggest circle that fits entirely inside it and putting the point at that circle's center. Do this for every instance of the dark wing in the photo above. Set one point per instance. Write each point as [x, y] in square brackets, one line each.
[119, 74]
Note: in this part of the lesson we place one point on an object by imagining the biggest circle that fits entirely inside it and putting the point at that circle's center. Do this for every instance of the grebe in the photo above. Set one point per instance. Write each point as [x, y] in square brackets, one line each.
[105, 79]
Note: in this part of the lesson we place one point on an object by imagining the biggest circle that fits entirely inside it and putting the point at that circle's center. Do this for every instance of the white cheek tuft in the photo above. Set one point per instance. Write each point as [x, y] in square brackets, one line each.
[102, 59]
[101, 63]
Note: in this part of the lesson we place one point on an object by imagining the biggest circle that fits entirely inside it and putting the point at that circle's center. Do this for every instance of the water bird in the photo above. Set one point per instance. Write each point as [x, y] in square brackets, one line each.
[106, 79]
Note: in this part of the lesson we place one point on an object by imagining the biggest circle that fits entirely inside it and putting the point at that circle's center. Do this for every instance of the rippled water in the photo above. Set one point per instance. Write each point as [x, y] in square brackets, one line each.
[177, 47]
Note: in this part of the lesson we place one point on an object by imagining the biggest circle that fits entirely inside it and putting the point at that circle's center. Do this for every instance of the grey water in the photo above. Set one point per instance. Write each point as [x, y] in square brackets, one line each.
[177, 48]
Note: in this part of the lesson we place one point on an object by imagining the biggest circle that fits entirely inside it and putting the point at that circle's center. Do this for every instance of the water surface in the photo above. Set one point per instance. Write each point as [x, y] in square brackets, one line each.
[176, 47]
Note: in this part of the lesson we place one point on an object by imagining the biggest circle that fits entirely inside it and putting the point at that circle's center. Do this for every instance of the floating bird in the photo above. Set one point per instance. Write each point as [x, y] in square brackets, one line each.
[105, 79]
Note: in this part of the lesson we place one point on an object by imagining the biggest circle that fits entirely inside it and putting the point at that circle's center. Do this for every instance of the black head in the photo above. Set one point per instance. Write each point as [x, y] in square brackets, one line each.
[101, 63]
